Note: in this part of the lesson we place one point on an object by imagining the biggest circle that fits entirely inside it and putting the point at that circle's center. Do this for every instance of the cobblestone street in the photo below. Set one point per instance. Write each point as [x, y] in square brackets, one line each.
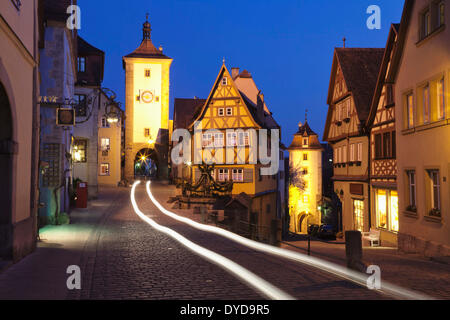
[121, 257]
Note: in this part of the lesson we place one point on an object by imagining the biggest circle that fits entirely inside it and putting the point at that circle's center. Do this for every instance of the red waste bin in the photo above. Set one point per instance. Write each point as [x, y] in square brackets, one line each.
[82, 195]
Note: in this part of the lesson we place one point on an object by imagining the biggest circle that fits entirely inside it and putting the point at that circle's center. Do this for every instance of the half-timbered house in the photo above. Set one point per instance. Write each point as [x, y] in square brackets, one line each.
[383, 163]
[225, 130]
[353, 77]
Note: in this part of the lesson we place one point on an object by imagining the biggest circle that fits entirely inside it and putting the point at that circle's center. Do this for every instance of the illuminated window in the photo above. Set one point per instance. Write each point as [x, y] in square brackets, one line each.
[238, 175]
[352, 152]
[305, 199]
[358, 214]
[393, 212]
[435, 189]
[305, 142]
[147, 132]
[441, 99]
[147, 73]
[231, 139]
[410, 110]
[244, 139]
[223, 175]
[305, 157]
[387, 209]
[381, 208]
[105, 144]
[218, 139]
[207, 140]
[360, 149]
[105, 123]
[426, 104]
[79, 150]
[344, 154]
[104, 169]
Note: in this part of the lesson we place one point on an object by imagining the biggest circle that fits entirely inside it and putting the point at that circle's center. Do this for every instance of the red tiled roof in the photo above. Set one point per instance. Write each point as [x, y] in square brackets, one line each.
[360, 67]
[185, 110]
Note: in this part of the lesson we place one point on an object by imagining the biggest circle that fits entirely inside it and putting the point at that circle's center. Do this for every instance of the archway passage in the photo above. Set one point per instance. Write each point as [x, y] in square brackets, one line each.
[302, 223]
[146, 164]
[6, 174]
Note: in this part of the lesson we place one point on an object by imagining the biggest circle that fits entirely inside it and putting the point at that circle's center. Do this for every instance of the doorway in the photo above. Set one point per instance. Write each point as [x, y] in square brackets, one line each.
[6, 174]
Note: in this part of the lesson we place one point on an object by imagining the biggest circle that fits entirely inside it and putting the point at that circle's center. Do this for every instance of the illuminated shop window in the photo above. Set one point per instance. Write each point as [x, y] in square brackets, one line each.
[358, 213]
[79, 150]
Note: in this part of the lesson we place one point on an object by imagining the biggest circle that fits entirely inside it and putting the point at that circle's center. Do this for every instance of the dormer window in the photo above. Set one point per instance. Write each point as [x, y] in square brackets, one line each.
[305, 142]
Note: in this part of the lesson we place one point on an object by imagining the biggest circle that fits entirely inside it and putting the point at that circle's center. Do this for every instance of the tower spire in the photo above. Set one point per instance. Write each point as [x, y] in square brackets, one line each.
[306, 115]
[147, 29]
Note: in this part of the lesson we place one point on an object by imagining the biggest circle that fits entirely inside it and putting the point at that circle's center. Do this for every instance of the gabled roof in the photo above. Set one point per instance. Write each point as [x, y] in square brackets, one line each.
[305, 131]
[86, 48]
[223, 70]
[184, 111]
[360, 68]
[390, 45]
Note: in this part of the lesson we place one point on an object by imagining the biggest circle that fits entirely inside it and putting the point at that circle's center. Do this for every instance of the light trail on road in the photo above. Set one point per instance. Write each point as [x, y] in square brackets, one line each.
[356, 277]
[254, 281]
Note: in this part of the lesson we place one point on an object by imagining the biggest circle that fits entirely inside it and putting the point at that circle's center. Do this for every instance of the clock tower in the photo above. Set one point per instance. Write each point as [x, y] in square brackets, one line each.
[147, 110]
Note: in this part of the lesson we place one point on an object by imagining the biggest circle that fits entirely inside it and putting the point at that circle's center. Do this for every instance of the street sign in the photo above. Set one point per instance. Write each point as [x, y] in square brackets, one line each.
[65, 117]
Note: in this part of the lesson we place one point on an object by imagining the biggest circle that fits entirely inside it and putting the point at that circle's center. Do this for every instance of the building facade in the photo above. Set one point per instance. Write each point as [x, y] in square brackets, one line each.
[383, 164]
[90, 67]
[58, 70]
[19, 125]
[422, 100]
[305, 180]
[225, 130]
[353, 78]
[110, 135]
[147, 72]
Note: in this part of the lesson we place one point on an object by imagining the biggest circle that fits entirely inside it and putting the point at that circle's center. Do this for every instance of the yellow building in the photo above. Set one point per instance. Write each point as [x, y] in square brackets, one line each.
[109, 146]
[422, 105]
[19, 123]
[147, 107]
[305, 179]
[230, 123]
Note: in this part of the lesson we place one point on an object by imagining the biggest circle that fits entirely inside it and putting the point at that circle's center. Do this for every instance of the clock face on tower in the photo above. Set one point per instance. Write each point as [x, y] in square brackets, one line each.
[147, 96]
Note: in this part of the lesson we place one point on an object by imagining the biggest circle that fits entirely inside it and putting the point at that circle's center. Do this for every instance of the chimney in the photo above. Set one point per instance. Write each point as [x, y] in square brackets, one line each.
[234, 72]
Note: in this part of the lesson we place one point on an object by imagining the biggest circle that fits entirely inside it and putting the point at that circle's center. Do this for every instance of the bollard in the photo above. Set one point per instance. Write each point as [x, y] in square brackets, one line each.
[309, 245]
[353, 250]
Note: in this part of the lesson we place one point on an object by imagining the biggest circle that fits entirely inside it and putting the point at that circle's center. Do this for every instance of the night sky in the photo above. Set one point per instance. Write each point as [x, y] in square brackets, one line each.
[286, 45]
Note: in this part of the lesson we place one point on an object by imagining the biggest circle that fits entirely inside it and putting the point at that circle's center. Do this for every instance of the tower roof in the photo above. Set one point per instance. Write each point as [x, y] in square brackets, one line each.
[147, 49]
[304, 131]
